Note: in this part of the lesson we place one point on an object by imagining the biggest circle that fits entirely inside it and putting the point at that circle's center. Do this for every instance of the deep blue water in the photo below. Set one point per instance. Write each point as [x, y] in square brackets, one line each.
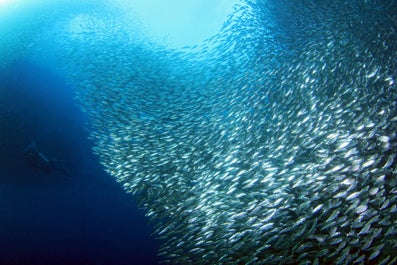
[272, 142]
[51, 218]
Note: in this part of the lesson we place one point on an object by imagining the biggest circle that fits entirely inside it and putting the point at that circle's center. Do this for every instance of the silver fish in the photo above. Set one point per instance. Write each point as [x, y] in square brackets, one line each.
[271, 143]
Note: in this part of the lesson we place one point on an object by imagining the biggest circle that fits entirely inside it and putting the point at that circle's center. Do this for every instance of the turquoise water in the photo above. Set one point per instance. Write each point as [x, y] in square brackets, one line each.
[262, 132]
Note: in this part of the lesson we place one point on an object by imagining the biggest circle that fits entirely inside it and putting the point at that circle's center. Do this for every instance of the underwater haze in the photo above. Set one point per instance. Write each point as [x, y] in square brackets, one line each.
[198, 132]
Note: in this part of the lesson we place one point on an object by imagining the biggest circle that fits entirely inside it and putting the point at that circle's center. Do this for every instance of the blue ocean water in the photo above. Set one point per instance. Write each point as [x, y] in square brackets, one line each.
[270, 139]
[50, 218]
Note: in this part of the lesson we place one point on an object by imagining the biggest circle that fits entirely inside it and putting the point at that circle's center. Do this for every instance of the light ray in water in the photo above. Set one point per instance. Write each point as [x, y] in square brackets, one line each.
[272, 143]
[4, 2]
[180, 23]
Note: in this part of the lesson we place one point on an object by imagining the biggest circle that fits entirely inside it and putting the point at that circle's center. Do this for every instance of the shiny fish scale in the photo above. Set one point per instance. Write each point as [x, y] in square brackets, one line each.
[272, 143]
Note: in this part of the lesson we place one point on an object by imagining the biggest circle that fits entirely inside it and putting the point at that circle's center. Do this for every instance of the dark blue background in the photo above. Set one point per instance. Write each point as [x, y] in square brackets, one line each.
[50, 218]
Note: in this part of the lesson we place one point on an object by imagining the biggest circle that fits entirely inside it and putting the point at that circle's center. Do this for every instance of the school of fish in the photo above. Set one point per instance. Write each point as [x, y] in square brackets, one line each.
[273, 142]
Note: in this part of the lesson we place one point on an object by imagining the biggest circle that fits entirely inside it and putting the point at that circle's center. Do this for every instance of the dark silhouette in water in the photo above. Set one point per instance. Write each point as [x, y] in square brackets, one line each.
[42, 163]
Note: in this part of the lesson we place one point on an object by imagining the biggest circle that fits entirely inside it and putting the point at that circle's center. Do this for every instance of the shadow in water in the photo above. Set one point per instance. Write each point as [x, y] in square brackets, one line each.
[47, 217]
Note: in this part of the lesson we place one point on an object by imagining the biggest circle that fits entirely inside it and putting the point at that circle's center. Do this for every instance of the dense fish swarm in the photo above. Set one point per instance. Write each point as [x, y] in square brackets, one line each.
[272, 143]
